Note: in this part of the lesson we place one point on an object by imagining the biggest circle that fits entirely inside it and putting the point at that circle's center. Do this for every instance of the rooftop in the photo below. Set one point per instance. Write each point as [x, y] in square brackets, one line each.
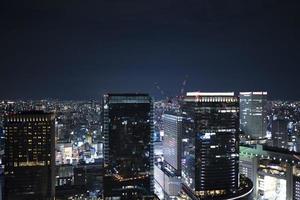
[219, 94]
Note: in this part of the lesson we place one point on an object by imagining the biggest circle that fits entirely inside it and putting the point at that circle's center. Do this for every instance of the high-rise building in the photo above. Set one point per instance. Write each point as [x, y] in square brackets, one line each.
[210, 163]
[29, 156]
[253, 114]
[172, 123]
[280, 133]
[128, 146]
[167, 173]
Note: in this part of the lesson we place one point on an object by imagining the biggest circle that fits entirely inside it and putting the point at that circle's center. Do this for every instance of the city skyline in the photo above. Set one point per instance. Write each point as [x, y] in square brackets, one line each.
[83, 50]
[150, 100]
[86, 155]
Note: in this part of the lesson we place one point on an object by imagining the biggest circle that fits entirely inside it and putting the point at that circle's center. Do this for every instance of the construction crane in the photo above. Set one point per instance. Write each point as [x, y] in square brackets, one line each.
[181, 94]
[182, 90]
[159, 89]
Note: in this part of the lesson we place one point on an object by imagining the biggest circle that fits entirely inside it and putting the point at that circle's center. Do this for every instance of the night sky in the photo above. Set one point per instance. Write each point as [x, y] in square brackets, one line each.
[82, 49]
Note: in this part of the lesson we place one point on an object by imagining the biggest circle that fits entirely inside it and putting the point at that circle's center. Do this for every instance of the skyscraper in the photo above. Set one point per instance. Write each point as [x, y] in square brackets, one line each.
[172, 123]
[29, 156]
[210, 144]
[167, 173]
[128, 146]
[253, 114]
[280, 136]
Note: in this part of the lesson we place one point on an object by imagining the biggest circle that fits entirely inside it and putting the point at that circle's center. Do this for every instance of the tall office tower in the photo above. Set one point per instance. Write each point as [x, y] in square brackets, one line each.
[280, 133]
[128, 146]
[210, 144]
[253, 114]
[29, 156]
[172, 123]
[167, 173]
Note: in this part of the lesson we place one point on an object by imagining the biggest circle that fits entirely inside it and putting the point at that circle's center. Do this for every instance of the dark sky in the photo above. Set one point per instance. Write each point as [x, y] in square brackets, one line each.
[82, 49]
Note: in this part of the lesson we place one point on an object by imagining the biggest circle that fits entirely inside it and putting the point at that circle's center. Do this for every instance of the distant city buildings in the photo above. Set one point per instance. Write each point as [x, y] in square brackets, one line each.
[253, 119]
[78, 143]
[192, 144]
[29, 156]
[128, 146]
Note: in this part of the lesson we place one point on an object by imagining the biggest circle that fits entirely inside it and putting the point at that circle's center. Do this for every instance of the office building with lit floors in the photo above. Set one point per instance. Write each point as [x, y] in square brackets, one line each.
[29, 156]
[172, 123]
[280, 135]
[210, 162]
[253, 117]
[128, 146]
[167, 173]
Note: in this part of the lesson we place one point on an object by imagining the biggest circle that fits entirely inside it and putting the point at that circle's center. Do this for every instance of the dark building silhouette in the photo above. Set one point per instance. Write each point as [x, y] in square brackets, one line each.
[210, 144]
[128, 146]
[29, 156]
[280, 136]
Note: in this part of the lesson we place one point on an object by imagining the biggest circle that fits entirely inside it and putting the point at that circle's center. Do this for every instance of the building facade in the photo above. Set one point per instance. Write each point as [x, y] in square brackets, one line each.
[210, 144]
[128, 146]
[280, 135]
[253, 120]
[172, 123]
[29, 156]
[274, 172]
